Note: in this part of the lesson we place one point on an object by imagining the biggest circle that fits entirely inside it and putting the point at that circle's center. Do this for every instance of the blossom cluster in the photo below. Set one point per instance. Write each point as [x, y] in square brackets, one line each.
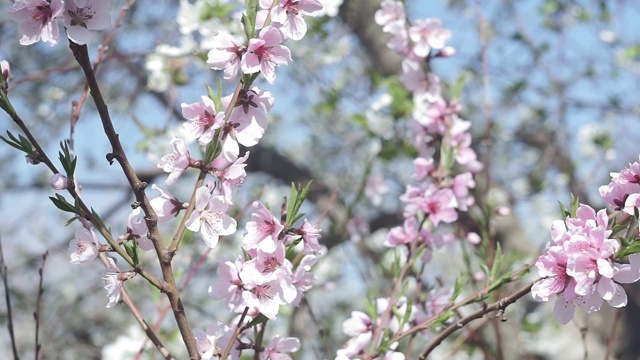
[437, 194]
[38, 19]
[580, 266]
[440, 190]
[262, 278]
[360, 326]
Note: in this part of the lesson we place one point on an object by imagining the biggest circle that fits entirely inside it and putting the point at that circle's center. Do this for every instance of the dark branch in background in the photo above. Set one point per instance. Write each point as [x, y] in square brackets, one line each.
[5, 281]
[36, 314]
[358, 15]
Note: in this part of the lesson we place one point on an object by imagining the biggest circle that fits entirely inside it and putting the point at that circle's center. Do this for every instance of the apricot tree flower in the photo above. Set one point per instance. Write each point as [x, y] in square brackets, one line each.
[226, 54]
[166, 205]
[278, 346]
[287, 15]
[262, 230]
[176, 162]
[83, 16]
[428, 34]
[202, 120]
[113, 279]
[247, 122]
[38, 20]
[209, 217]
[265, 53]
[84, 247]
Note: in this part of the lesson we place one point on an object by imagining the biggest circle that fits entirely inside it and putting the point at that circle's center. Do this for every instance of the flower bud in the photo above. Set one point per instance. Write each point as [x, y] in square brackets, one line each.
[59, 182]
[5, 70]
[447, 51]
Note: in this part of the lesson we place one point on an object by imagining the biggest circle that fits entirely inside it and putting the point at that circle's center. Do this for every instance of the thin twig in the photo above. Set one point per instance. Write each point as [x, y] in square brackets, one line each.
[236, 333]
[151, 335]
[36, 314]
[164, 258]
[498, 306]
[5, 281]
[612, 335]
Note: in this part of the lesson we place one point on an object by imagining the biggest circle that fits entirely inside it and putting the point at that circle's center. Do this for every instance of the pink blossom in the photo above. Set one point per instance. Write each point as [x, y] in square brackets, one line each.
[440, 205]
[202, 120]
[310, 236]
[59, 182]
[208, 342]
[425, 86]
[247, 122]
[82, 16]
[460, 187]
[38, 20]
[5, 71]
[166, 206]
[209, 217]
[428, 34]
[266, 293]
[232, 177]
[263, 229]
[84, 247]
[226, 54]
[390, 12]
[401, 235]
[176, 162]
[278, 347]
[302, 277]
[552, 267]
[269, 262]
[265, 53]
[228, 285]
[399, 41]
[423, 167]
[113, 279]
[137, 226]
[287, 15]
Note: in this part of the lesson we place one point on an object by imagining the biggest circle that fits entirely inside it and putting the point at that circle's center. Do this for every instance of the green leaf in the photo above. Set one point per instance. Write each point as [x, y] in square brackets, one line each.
[258, 320]
[497, 262]
[633, 248]
[458, 287]
[249, 19]
[563, 210]
[61, 203]
[575, 203]
[131, 247]
[296, 198]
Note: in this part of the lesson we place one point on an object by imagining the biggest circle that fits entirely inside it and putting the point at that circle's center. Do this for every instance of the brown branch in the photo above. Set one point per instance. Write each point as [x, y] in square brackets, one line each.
[169, 288]
[36, 314]
[499, 307]
[5, 281]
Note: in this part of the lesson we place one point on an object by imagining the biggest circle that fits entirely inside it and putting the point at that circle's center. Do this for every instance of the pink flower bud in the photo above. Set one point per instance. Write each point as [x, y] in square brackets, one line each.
[447, 51]
[5, 69]
[503, 211]
[473, 238]
[59, 182]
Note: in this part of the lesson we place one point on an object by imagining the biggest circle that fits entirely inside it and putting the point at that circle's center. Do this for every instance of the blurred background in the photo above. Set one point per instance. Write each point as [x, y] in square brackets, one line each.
[560, 114]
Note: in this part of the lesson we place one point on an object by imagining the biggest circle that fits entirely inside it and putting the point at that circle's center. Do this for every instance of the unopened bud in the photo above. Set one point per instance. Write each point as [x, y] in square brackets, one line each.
[59, 182]
[447, 51]
[5, 70]
[503, 211]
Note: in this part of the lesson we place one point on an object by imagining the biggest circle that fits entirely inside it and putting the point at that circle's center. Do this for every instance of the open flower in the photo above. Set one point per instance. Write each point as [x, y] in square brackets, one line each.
[176, 162]
[209, 217]
[83, 16]
[265, 53]
[38, 20]
[84, 247]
